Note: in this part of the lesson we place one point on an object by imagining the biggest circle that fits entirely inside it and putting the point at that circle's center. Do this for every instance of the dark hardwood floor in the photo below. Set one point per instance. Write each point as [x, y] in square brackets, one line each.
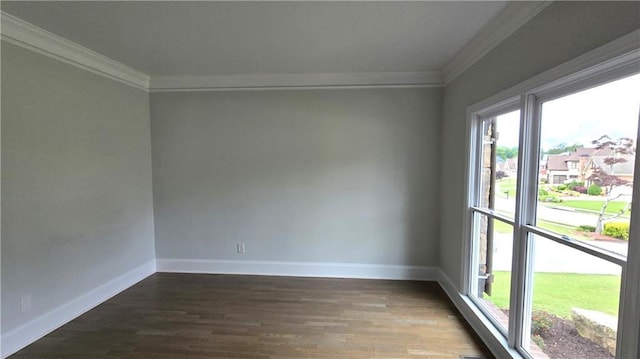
[230, 316]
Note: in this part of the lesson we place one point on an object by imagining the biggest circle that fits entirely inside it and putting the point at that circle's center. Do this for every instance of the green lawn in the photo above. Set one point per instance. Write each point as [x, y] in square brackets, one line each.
[502, 227]
[557, 293]
[593, 205]
[507, 185]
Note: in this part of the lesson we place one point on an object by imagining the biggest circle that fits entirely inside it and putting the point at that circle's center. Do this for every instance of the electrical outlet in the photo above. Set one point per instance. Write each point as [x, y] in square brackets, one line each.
[241, 248]
[25, 303]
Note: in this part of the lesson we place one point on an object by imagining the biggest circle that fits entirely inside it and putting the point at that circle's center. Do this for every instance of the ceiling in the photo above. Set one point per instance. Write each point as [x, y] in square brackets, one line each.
[231, 38]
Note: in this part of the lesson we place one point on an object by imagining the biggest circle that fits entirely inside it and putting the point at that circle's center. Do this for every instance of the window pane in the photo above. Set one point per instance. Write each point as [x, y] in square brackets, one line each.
[492, 277]
[574, 303]
[588, 141]
[500, 163]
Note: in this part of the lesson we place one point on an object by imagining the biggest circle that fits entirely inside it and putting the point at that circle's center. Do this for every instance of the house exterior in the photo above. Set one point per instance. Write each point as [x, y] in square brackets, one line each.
[509, 166]
[568, 166]
[578, 166]
[622, 170]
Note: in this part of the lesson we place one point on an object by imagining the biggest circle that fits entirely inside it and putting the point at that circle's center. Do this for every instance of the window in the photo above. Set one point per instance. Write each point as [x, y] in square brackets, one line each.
[549, 238]
[493, 222]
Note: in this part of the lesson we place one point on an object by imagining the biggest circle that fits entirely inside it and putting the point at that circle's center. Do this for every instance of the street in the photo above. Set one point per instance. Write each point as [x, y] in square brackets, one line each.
[550, 256]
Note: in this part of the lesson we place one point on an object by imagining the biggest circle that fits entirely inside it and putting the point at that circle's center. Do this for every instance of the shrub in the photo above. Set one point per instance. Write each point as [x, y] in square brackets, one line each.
[617, 230]
[581, 189]
[541, 322]
[561, 187]
[543, 181]
[542, 192]
[573, 184]
[586, 228]
[594, 190]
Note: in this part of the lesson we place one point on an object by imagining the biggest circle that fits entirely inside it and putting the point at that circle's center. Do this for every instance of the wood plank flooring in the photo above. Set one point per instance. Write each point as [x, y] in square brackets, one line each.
[228, 316]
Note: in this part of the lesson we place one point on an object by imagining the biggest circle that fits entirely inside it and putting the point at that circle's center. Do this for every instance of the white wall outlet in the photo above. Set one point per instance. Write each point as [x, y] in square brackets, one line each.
[25, 303]
[241, 248]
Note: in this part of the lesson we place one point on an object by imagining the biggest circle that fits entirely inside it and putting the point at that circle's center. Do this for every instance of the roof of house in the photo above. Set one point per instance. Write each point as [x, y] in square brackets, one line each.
[559, 162]
[622, 168]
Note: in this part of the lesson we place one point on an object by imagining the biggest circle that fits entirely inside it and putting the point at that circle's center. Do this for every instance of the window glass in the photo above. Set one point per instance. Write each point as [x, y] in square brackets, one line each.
[577, 183]
[575, 299]
[588, 142]
[492, 279]
[499, 163]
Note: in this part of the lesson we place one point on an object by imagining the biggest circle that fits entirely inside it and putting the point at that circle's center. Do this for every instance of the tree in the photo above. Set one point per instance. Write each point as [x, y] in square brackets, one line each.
[606, 178]
[506, 152]
[562, 148]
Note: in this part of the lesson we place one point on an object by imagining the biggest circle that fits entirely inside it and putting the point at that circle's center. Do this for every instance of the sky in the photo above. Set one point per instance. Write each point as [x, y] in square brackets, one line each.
[610, 109]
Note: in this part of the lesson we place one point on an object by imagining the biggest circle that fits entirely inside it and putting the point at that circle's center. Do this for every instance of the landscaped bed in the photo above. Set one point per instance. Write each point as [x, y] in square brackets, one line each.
[554, 296]
[562, 341]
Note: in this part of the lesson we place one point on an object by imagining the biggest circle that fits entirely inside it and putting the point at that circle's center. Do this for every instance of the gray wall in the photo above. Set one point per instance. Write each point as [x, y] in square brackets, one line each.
[559, 33]
[77, 205]
[346, 176]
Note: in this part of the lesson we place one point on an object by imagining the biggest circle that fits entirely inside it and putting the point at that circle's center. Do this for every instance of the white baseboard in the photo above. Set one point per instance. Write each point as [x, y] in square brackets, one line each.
[35, 329]
[492, 338]
[298, 269]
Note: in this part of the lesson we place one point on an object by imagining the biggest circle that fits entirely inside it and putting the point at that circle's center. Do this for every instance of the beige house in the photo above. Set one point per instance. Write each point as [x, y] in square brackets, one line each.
[578, 166]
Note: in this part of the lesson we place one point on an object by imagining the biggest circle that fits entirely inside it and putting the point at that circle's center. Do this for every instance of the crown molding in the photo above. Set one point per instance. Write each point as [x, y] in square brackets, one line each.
[510, 19]
[506, 22]
[296, 81]
[31, 37]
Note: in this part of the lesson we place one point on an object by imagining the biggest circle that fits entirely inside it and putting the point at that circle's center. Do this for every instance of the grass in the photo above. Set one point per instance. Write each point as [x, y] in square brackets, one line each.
[614, 207]
[557, 293]
[594, 205]
[501, 227]
[507, 185]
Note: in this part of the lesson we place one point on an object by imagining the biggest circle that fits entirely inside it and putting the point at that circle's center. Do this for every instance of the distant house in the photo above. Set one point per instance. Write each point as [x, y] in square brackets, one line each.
[623, 170]
[508, 166]
[578, 166]
[568, 166]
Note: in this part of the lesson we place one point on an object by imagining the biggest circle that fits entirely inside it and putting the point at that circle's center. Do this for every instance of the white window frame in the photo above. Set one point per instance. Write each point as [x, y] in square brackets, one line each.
[618, 59]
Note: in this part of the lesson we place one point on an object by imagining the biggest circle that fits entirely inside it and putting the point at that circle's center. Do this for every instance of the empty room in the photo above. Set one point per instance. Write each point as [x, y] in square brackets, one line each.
[320, 179]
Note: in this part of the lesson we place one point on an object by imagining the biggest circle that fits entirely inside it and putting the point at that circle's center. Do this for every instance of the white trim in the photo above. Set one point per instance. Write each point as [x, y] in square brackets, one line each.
[35, 329]
[296, 81]
[290, 88]
[489, 334]
[31, 37]
[628, 345]
[297, 269]
[503, 25]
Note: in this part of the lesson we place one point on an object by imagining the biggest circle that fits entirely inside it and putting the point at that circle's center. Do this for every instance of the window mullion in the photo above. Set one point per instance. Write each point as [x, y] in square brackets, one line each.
[629, 322]
[526, 199]
[473, 190]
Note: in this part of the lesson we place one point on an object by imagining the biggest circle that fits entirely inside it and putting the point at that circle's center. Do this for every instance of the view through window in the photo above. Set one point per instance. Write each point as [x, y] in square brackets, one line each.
[576, 223]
